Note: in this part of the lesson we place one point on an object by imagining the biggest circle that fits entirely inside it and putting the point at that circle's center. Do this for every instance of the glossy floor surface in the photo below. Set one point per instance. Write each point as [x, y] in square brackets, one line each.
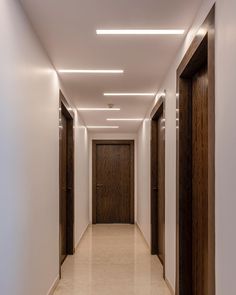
[112, 260]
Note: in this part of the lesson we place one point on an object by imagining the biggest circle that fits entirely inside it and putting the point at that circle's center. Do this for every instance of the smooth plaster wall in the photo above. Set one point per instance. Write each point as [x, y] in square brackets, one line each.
[81, 179]
[144, 138]
[29, 227]
[29, 157]
[143, 180]
[110, 136]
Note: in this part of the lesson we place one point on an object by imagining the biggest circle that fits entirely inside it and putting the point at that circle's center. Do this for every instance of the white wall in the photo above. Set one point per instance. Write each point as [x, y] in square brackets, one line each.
[110, 136]
[29, 157]
[143, 180]
[81, 179]
[144, 137]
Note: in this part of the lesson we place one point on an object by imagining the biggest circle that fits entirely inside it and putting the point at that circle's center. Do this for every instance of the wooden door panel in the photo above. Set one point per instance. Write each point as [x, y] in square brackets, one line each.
[160, 187]
[199, 181]
[66, 181]
[113, 183]
[158, 182]
[63, 188]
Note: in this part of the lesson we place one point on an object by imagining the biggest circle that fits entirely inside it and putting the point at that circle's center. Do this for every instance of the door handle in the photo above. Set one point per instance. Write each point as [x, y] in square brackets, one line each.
[155, 188]
[99, 185]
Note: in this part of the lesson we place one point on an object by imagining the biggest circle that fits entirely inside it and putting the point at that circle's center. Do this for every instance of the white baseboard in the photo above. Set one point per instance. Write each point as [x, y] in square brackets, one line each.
[138, 226]
[170, 287]
[81, 236]
[53, 287]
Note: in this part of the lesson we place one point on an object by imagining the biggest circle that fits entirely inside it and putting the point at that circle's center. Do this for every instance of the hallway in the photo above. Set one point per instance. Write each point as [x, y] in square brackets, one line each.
[112, 259]
[118, 159]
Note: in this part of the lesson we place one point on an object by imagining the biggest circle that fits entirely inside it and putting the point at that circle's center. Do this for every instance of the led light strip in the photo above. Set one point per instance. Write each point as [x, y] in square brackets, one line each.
[140, 32]
[124, 119]
[98, 109]
[71, 71]
[102, 127]
[129, 93]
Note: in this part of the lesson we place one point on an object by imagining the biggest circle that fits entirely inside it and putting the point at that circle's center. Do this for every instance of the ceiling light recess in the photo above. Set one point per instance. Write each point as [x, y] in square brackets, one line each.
[140, 32]
[71, 71]
[124, 119]
[102, 127]
[129, 93]
[98, 109]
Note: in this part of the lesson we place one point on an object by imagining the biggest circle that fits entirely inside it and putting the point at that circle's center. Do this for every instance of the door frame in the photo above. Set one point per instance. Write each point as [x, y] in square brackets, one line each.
[200, 52]
[157, 112]
[65, 109]
[94, 180]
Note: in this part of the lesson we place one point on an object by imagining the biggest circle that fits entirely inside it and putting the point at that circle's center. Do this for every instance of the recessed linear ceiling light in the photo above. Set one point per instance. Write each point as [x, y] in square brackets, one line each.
[98, 109]
[128, 94]
[140, 32]
[124, 119]
[71, 71]
[102, 127]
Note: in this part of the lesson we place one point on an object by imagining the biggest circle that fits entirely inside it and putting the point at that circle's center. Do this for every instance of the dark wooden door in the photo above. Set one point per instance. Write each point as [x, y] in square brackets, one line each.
[63, 189]
[158, 183]
[113, 188]
[160, 188]
[199, 182]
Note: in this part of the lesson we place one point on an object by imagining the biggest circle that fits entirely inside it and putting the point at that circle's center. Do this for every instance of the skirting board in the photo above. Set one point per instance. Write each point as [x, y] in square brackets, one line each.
[53, 287]
[142, 234]
[81, 236]
[170, 287]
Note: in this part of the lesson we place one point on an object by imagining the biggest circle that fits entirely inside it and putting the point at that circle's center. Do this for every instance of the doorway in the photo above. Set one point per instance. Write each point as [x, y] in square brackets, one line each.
[66, 167]
[195, 166]
[158, 182]
[113, 181]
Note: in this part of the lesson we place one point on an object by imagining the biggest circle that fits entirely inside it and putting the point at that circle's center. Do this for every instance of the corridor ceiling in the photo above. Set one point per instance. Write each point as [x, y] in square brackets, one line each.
[67, 30]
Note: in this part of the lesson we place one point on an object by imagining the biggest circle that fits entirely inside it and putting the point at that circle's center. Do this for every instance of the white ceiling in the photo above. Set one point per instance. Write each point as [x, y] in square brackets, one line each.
[67, 29]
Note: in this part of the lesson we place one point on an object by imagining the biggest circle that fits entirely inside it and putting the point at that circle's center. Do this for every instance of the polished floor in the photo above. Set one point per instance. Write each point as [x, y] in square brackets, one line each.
[112, 260]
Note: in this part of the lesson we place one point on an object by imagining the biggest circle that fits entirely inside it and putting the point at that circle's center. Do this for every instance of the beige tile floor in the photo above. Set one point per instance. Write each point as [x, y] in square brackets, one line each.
[112, 260]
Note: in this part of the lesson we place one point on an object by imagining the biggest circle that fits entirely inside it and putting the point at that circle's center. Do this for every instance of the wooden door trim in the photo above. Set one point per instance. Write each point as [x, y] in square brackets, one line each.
[201, 51]
[156, 113]
[65, 110]
[157, 108]
[94, 181]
